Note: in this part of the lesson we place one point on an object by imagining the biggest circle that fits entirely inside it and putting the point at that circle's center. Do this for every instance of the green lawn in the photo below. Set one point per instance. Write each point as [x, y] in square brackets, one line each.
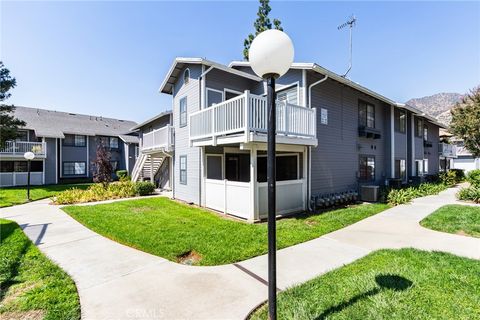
[18, 195]
[30, 283]
[170, 229]
[457, 219]
[388, 284]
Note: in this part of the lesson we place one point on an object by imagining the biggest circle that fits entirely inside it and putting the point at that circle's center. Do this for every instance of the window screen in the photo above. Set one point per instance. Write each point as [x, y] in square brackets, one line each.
[367, 168]
[214, 167]
[289, 95]
[400, 169]
[366, 114]
[214, 97]
[287, 168]
[74, 168]
[183, 169]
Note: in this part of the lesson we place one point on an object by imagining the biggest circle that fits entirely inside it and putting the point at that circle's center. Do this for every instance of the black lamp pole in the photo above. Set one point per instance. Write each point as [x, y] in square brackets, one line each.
[28, 180]
[271, 179]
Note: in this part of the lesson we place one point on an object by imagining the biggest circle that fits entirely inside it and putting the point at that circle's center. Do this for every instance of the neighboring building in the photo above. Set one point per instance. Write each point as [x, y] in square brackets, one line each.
[65, 146]
[464, 160]
[333, 135]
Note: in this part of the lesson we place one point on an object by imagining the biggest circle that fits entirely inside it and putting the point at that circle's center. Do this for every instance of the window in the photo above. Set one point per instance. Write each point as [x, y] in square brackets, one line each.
[425, 133]
[183, 169]
[237, 167]
[425, 166]
[418, 128]
[74, 168]
[366, 114]
[287, 168]
[71, 140]
[183, 112]
[400, 169]
[230, 94]
[323, 116]
[214, 167]
[20, 166]
[400, 121]
[22, 135]
[418, 168]
[213, 97]
[289, 95]
[367, 168]
[6, 166]
[113, 143]
[186, 76]
[114, 166]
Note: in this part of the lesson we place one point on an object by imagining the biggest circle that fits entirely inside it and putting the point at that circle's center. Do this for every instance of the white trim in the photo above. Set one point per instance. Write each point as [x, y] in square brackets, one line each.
[88, 158]
[304, 87]
[61, 157]
[183, 76]
[56, 160]
[287, 155]
[206, 96]
[225, 90]
[126, 150]
[288, 86]
[392, 141]
[412, 123]
[222, 156]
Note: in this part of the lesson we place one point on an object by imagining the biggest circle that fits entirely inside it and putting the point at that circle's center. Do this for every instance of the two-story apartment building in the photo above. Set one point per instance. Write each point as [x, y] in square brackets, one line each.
[333, 135]
[65, 146]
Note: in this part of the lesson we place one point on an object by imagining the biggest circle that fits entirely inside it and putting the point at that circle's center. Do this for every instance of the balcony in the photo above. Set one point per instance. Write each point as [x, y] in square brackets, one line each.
[16, 149]
[447, 150]
[159, 140]
[244, 119]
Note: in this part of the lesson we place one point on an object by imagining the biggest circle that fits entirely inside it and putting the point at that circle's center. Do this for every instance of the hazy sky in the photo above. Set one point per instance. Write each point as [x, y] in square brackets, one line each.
[108, 58]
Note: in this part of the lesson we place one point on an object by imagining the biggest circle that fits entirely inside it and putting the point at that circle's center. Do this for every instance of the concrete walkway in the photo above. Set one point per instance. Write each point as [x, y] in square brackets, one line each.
[118, 282]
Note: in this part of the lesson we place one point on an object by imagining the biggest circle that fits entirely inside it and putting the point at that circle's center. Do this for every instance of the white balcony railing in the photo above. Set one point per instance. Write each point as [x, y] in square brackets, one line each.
[248, 113]
[447, 150]
[159, 139]
[18, 148]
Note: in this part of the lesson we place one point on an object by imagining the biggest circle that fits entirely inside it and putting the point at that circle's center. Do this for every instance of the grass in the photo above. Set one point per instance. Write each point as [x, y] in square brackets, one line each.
[464, 220]
[18, 195]
[170, 229]
[388, 284]
[30, 283]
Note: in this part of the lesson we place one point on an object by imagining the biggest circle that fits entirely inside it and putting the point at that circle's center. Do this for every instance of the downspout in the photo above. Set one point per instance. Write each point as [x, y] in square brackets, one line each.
[309, 182]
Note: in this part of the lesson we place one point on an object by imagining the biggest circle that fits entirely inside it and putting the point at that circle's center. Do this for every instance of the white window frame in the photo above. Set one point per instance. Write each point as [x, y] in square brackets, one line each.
[180, 169]
[425, 166]
[222, 164]
[321, 116]
[181, 124]
[297, 154]
[214, 90]
[74, 164]
[183, 77]
[288, 86]
[225, 90]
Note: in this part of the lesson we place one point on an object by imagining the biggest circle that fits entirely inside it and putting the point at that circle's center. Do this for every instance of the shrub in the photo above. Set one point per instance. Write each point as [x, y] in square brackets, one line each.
[448, 178]
[144, 188]
[122, 174]
[474, 178]
[405, 195]
[97, 192]
[460, 174]
[469, 194]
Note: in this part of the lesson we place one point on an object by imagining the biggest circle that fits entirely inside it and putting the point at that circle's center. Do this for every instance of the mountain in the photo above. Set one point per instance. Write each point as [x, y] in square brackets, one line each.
[437, 105]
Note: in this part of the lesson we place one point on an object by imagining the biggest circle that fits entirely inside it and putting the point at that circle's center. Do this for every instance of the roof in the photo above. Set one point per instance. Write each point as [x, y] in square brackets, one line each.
[180, 62]
[55, 124]
[317, 68]
[129, 138]
[158, 116]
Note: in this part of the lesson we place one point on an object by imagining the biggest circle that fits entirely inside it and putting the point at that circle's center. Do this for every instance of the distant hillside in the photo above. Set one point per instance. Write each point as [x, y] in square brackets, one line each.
[437, 105]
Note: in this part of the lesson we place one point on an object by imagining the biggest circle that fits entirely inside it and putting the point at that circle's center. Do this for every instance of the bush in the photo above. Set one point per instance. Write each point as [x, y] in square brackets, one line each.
[98, 192]
[405, 195]
[474, 178]
[469, 194]
[144, 188]
[448, 178]
[460, 174]
[122, 175]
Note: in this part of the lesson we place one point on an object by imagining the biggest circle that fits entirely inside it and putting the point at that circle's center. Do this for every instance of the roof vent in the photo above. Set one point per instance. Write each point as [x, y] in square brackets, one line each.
[72, 114]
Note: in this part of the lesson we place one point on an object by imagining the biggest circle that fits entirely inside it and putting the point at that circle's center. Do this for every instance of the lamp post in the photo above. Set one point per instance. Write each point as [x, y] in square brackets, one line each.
[271, 55]
[29, 156]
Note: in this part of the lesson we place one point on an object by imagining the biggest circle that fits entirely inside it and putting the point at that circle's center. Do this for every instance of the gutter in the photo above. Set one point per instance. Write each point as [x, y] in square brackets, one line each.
[309, 183]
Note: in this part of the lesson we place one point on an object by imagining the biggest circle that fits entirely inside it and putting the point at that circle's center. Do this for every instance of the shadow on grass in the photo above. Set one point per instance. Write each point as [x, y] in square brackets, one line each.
[10, 267]
[384, 281]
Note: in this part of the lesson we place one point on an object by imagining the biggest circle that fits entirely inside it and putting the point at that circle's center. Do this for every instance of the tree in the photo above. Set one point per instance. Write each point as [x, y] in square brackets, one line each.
[8, 123]
[261, 24]
[102, 165]
[466, 121]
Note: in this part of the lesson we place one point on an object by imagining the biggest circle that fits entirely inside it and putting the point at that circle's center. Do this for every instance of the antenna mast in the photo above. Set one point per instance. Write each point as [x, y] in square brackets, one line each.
[350, 23]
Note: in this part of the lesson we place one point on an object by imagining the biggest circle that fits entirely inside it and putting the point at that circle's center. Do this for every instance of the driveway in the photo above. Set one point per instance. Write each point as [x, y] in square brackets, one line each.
[118, 282]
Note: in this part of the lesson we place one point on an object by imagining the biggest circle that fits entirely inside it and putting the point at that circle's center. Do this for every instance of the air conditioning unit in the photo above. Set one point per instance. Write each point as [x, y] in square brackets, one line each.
[369, 193]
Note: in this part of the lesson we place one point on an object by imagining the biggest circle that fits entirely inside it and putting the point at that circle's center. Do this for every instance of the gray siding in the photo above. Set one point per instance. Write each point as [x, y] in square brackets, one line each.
[50, 161]
[190, 191]
[72, 154]
[431, 153]
[220, 80]
[335, 159]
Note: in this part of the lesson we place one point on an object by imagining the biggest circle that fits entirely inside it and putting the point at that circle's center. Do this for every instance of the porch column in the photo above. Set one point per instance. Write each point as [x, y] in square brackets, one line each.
[306, 192]
[412, 137]
[151, 169]
[253, 183]
[392, 141]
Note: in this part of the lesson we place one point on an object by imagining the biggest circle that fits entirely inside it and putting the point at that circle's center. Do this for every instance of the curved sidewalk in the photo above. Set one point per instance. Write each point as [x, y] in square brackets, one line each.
[118, 282]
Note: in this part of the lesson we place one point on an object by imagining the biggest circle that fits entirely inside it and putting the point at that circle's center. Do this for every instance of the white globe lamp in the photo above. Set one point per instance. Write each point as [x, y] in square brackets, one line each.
[271, 53]
[270, 56]
[29, 155]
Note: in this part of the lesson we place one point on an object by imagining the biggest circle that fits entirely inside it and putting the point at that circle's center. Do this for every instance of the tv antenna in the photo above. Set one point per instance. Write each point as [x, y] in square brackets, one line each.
[350, 23]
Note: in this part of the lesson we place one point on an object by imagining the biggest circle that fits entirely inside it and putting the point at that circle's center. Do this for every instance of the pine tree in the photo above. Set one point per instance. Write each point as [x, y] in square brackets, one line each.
[466, 121]
[261, 24]
[8, 123]
[102, 165]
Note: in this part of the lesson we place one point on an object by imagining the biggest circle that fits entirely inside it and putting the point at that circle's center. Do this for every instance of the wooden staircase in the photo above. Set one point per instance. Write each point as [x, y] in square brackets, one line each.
[144, 165]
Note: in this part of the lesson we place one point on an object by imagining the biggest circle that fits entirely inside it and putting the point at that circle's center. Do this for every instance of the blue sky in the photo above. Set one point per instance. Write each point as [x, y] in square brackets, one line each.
[109, 58]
